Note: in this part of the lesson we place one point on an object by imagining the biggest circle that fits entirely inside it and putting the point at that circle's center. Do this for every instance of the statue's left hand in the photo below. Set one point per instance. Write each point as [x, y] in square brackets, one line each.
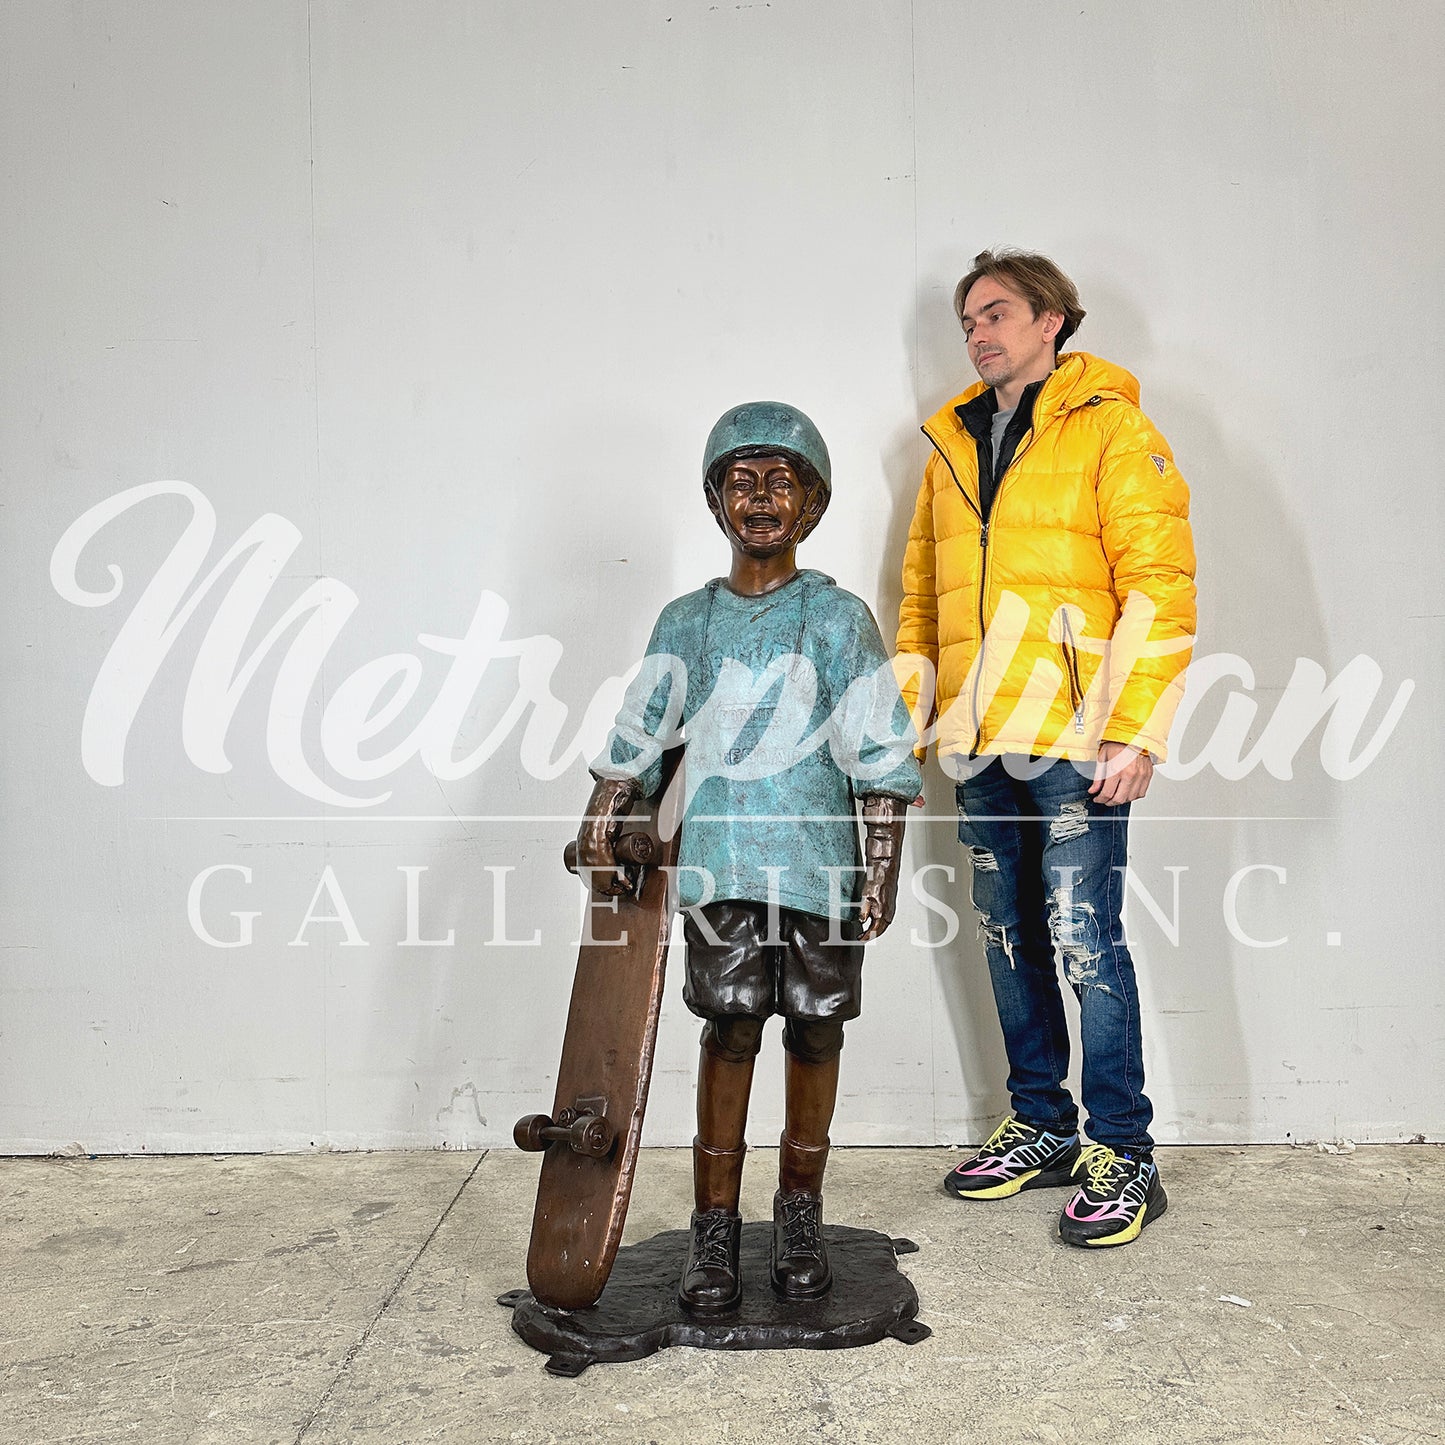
[883, 855]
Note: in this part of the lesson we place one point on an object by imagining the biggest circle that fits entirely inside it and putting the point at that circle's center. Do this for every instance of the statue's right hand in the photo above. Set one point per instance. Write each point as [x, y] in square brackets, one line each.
[595, 859]
[598, 835]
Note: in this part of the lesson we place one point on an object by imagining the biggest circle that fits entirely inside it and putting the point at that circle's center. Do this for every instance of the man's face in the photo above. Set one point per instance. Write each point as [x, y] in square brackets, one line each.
[1005, 339]
[762, 499]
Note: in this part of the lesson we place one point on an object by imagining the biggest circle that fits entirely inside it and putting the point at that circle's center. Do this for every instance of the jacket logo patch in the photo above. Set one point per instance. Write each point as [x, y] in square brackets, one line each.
[1158, 462]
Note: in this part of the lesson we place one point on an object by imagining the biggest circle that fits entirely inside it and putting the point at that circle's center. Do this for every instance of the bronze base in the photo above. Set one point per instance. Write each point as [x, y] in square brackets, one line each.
[638, 1313]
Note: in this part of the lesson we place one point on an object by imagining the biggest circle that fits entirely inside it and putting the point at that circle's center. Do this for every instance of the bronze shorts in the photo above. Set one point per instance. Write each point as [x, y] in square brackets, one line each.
[798, 974]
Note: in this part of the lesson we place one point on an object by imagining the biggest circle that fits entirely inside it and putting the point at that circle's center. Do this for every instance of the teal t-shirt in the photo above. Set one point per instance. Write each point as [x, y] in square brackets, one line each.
[789, 709]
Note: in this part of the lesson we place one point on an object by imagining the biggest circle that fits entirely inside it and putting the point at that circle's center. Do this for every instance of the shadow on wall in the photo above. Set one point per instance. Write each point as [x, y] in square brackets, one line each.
[1256, 599]
[969, 1090]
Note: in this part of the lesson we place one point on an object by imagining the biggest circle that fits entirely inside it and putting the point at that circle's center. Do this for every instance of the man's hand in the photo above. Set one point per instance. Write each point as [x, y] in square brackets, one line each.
[610, 801]
[883, 853]
[1121, 774]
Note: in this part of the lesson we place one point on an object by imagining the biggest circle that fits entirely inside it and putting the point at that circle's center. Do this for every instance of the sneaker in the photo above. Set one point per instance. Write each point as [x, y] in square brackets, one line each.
[1017, 1156]
[710, 1283]
[1119, 1196]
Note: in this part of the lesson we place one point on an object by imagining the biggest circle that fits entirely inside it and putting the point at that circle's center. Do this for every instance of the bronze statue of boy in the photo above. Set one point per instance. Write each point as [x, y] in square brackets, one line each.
[779, 682]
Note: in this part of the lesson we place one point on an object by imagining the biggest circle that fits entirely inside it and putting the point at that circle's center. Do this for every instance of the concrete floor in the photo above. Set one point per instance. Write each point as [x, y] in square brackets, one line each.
[350, 1297]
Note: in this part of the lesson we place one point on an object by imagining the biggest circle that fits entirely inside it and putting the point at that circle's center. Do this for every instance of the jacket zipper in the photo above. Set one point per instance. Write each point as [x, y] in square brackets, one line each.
[1076, 690]
[982, 566]
[1071, 670]
[983, 525]
[1071, 650]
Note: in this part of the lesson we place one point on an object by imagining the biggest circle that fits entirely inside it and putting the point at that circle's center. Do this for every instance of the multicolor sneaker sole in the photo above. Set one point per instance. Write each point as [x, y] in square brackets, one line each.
[1120, 1198]
[1147, 1214]
[1016, 1157]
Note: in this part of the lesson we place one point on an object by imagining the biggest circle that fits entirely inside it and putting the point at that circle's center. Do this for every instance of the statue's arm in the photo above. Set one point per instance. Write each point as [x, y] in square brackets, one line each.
[883, 820]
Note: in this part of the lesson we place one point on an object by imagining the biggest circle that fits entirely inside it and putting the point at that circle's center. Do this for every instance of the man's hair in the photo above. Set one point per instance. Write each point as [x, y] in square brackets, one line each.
[1037, 279]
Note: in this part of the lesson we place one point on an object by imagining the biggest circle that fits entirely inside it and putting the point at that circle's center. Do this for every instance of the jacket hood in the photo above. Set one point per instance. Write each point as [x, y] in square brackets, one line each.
[1075, 381]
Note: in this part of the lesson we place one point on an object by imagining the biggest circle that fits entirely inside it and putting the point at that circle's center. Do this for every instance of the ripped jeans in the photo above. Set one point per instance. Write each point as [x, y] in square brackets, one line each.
[1048, 875]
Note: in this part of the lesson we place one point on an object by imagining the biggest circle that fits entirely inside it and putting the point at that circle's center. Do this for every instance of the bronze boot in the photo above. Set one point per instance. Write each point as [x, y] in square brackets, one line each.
[710, 1283]
[798, 1264]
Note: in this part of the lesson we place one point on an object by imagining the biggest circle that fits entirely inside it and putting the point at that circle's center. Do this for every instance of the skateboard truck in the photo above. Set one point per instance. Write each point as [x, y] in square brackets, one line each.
[633, 851]
[583, 1128]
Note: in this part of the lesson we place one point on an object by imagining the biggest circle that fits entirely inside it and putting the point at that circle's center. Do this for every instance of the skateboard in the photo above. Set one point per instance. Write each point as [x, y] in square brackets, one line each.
[590, 1139]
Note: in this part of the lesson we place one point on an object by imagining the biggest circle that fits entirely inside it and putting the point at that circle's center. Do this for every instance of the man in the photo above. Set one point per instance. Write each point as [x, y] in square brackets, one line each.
[1049, 582]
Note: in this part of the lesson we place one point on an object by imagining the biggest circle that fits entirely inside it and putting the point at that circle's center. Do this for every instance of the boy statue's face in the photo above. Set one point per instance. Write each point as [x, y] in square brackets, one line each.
[759, 504]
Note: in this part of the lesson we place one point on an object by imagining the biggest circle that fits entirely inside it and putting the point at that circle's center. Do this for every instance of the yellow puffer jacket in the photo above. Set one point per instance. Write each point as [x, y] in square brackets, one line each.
[1082, 583]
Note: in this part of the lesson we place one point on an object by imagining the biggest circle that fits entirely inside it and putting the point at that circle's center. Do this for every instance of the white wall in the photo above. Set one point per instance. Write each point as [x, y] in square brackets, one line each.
[457, 290]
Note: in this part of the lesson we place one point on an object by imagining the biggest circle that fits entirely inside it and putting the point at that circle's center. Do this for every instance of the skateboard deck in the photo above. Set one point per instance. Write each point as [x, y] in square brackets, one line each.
[592, 1135]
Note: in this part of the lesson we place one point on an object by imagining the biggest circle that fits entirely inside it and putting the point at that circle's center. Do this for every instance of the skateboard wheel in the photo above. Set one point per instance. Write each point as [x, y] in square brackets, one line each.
[592, 1135]
[529, 1132]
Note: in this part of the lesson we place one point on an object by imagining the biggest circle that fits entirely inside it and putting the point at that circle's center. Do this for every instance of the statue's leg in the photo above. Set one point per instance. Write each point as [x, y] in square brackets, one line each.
[728, 985]
[819, 987]
[800, 1258]
[724, 1081]
[710, 1281]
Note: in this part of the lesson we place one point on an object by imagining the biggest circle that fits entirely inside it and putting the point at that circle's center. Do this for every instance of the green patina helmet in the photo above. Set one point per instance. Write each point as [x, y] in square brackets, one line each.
[764, 429]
